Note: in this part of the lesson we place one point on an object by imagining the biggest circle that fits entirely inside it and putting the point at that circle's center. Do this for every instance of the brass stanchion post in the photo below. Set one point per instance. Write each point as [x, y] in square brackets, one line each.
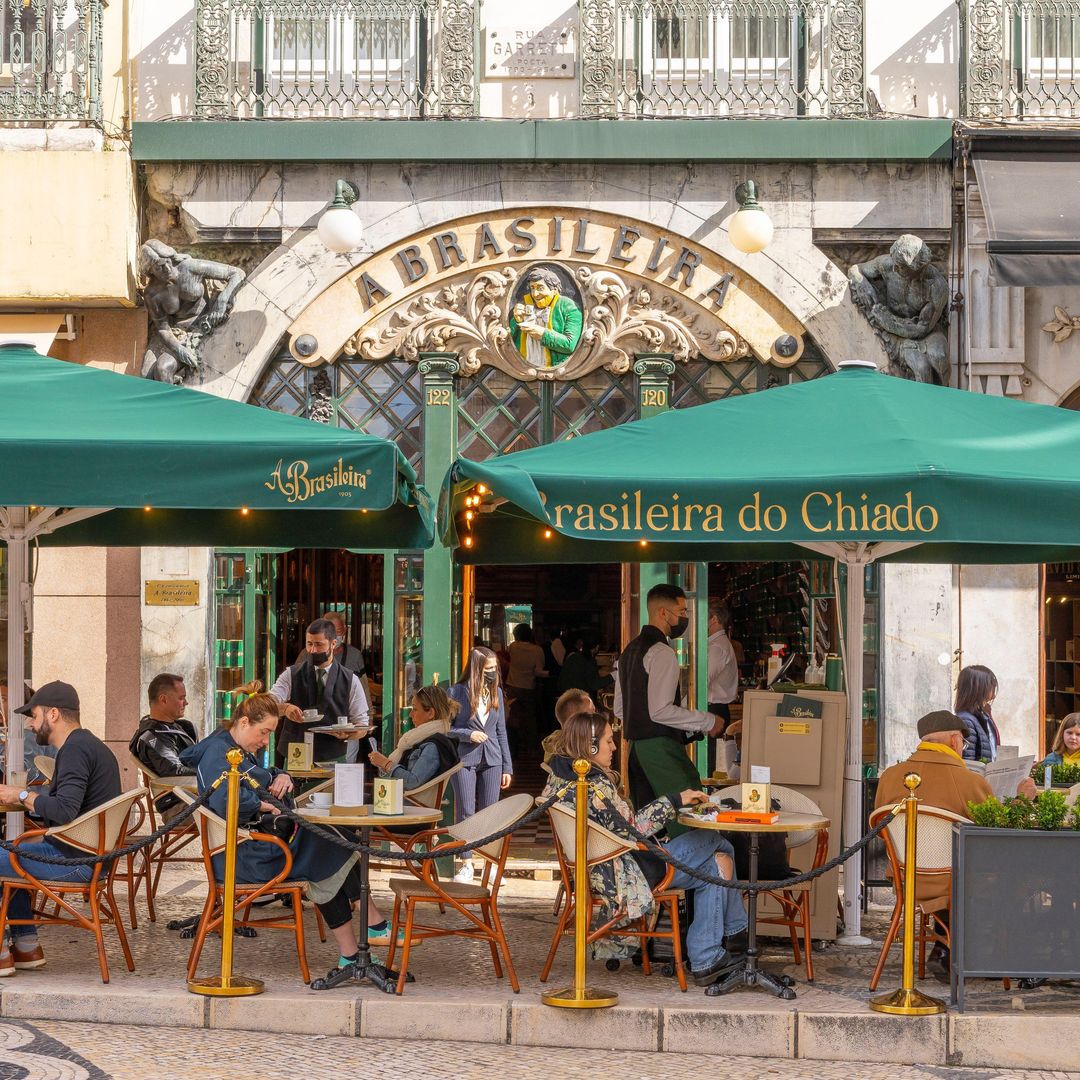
[228, 984]
[907, 1001]
[580, 996]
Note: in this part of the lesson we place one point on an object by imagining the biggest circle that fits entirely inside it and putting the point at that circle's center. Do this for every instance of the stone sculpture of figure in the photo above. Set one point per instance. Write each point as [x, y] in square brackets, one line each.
[904, 297]
[545, 326]
[181, 308]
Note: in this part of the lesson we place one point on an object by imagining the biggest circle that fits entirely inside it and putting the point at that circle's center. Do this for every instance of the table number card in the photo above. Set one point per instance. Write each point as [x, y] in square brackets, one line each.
[348, 785]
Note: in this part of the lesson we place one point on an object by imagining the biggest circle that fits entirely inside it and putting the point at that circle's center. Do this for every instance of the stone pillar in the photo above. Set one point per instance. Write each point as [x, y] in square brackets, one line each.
[440, 444]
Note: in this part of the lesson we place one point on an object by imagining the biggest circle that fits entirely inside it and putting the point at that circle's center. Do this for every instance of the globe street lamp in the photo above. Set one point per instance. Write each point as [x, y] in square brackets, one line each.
[750, 229]
[339, 228]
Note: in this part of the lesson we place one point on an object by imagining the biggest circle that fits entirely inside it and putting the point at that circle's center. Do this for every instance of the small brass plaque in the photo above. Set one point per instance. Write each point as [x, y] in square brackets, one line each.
[788, 727]
[175, 593]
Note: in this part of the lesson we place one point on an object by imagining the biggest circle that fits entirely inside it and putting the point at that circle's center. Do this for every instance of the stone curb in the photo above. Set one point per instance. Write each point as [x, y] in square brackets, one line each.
[985, 1040]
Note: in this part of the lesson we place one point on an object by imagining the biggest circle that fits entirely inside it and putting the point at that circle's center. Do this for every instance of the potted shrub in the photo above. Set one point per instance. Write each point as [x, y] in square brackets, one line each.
[1014, 890]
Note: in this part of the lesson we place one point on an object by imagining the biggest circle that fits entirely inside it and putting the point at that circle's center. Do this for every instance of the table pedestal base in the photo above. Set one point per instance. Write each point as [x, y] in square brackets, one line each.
[364, 970]
[751, 975]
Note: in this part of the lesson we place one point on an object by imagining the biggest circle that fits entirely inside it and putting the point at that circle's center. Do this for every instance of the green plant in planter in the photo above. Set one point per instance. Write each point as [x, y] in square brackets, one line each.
[989, 814]
[1019, 813]
[1061, 775]
[1074, 819]
[1050, 810]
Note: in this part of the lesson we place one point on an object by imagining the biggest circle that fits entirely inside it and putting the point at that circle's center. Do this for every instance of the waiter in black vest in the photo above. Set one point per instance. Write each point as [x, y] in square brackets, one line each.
[320, 682]
[647, 701]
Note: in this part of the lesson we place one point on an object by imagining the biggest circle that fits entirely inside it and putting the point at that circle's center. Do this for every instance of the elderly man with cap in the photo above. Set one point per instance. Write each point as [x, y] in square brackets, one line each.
[86, 776]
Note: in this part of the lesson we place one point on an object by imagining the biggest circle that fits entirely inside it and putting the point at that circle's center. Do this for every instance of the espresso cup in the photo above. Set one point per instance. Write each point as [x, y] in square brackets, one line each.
[322, 800]
[342, 721]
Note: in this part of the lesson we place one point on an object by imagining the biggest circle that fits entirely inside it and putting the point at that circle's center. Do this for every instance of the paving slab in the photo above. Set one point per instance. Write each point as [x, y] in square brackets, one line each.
[710, 1031]
[869, 1036]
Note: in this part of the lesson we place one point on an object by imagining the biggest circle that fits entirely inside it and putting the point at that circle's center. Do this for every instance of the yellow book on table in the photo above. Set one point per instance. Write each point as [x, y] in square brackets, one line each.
[389, 796]
[298, 757]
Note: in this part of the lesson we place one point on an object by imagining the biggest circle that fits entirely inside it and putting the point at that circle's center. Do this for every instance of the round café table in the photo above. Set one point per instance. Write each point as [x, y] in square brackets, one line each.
[363, 819]
[750, 974]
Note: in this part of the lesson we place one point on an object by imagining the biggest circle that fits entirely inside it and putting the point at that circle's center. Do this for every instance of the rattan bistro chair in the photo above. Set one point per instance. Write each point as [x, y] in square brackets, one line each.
[603, 846]
[212, 830]
[933, 855]
[102, 829]
[477, 903]
[794, 900]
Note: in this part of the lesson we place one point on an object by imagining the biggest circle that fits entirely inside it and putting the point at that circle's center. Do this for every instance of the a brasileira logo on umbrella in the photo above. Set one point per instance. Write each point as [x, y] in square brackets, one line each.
[296, 482]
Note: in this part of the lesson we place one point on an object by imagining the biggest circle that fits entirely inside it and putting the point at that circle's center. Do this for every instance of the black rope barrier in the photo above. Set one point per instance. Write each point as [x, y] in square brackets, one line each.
[20, 850]
[651, 845]
[334, 837]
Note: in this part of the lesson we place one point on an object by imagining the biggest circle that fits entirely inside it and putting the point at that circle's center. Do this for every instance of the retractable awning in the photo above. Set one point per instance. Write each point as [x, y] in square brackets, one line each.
[1030, 197]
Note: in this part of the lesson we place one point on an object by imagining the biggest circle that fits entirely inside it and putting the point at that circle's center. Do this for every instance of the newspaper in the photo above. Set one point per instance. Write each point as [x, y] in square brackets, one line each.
[1005, 774]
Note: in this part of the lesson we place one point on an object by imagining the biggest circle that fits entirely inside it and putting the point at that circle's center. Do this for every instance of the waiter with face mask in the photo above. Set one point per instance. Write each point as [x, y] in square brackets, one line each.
[647, 700]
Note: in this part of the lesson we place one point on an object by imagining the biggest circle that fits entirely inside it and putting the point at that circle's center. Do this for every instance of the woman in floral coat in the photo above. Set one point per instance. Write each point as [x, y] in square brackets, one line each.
[717, 934]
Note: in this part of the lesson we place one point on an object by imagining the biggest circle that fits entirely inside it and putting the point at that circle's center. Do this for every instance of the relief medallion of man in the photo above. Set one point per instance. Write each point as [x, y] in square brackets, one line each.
[546, 316]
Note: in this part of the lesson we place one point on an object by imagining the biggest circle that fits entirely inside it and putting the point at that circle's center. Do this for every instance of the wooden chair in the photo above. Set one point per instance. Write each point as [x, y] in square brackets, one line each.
[46, 766]
[212, 832]
[604, 846]
[794, 900]
[933, 855]
[477, 903]
[175, 846]
[102, 829]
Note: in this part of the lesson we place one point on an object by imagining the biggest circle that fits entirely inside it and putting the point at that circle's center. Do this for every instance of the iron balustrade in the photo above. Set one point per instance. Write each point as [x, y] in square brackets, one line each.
[314, 59]
[650, 58]
[50, 61]
[1021, 59]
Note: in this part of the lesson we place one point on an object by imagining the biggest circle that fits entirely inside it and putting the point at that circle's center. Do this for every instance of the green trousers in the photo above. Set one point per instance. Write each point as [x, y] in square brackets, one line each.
[664, 767]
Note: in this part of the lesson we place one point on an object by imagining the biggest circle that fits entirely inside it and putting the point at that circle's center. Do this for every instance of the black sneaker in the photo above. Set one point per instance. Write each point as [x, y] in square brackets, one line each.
[716, 971]
[337, 976]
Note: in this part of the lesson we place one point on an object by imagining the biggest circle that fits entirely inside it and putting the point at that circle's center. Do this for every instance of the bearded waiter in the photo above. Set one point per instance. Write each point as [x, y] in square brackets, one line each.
[647, 701]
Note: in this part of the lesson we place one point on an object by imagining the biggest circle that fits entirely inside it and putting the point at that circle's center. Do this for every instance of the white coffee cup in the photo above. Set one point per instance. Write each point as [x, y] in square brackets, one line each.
[322, 800]
[310, 714]
[342, 721]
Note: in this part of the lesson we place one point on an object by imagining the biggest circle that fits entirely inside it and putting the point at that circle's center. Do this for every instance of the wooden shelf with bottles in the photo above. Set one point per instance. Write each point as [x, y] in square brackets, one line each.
[1061, 644]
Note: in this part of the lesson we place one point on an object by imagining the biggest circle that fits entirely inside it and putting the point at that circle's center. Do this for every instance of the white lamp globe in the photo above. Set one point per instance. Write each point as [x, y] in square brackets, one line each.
[750, 229]
[340, 229]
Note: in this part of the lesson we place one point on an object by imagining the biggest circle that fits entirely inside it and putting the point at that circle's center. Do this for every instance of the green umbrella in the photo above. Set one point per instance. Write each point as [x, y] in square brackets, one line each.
[91, 457]
[857, 466]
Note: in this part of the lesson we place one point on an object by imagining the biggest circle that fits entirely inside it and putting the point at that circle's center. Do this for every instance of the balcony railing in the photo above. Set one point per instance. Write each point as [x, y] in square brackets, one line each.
[722, 58]
[335, 58]
[1021, 59]
[50, 61]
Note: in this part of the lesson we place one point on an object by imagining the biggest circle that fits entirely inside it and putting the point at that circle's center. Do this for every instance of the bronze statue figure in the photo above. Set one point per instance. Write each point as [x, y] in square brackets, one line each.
[904, 297]
[182, 307]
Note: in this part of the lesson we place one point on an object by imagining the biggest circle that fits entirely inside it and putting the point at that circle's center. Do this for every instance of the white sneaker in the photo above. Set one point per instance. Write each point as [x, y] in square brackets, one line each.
[465, 875]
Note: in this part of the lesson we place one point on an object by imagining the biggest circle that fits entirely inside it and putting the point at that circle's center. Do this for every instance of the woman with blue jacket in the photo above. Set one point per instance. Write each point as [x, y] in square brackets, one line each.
[333, 882]
[480, 731]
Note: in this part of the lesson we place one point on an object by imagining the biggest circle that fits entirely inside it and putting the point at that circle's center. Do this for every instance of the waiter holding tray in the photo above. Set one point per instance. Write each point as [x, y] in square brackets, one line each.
[319, 682]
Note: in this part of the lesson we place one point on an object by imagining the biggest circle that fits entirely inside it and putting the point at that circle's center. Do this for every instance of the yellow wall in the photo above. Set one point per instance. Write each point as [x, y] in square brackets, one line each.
[68, 223]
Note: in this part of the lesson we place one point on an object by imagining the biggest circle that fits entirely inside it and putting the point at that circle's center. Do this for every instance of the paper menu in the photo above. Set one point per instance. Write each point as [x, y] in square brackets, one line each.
[348, 785]
[760, 774]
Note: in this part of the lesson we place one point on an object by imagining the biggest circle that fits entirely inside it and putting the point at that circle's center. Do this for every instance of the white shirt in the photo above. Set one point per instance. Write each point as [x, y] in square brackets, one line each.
[662, 667]
[358, 703]
[723, 670]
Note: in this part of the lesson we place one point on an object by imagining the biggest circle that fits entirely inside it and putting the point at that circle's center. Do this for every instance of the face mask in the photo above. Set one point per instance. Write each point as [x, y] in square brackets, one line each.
[318, 658]
[679, 628]
[490, 677]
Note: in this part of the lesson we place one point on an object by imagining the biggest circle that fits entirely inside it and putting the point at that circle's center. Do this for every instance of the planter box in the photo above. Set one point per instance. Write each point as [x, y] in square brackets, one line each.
[1014, 905]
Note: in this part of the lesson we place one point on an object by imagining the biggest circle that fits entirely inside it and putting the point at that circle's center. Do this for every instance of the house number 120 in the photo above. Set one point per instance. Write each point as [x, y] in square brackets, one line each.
[654, 399]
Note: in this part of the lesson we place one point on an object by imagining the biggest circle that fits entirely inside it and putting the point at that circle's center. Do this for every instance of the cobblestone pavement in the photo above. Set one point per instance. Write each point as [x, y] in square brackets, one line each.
[47, 1050]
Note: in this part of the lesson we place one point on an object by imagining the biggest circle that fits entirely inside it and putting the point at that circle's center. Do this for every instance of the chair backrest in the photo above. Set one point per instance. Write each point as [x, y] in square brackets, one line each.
[431, 794]
[45, 765]
[101, 829]
[214, 828]
[795, 802]
[144, 773]
[933, 838]
[601, 845]
[493, 818]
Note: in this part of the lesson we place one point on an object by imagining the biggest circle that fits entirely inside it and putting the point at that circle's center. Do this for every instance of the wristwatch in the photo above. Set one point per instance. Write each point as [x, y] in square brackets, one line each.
[23, 796]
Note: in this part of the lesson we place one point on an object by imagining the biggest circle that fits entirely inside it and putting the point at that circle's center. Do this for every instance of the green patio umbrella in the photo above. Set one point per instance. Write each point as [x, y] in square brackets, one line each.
[91, 457]
[856, 466]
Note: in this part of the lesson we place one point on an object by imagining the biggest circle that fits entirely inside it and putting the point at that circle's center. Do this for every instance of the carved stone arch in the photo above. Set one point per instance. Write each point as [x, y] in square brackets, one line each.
[804, 283]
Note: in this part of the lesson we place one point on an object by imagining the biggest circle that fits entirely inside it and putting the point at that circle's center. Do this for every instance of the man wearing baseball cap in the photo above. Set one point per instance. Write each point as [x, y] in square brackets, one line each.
[86, 776]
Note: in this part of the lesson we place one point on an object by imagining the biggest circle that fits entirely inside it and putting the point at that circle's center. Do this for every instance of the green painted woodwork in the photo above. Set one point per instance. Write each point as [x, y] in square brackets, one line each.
[390, 653]
[675, 139]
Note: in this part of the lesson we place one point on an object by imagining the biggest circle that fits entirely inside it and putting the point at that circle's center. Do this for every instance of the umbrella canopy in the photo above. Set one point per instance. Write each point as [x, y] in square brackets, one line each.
[169, 465]
[856, 458]
[858, 466]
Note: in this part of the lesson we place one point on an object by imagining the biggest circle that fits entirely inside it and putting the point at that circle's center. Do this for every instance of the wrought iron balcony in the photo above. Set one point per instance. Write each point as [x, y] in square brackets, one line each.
[1021, 59]
[335, 58]
[722, 58]
[50, 61]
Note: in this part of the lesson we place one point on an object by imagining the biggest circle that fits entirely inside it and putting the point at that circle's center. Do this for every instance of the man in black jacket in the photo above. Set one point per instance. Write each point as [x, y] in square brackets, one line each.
[86, 776]
[163, 733]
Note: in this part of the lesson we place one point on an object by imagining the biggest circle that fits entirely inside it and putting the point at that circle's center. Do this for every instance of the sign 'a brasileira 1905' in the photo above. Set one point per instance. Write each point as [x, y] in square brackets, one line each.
[547, 292]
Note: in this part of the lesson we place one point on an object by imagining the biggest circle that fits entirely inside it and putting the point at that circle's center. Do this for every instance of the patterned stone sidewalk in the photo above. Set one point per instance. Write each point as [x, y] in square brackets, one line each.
[48, 1050]
[457, 997]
